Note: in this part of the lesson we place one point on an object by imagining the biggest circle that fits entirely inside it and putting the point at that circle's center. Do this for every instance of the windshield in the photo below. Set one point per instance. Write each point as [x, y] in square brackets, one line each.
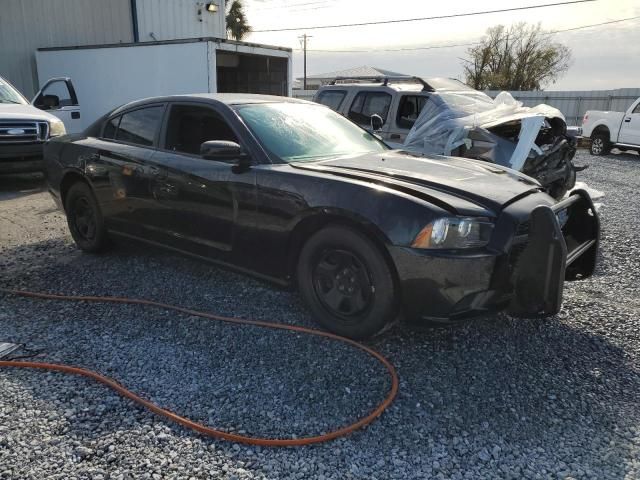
[8, 94]
[297, 132]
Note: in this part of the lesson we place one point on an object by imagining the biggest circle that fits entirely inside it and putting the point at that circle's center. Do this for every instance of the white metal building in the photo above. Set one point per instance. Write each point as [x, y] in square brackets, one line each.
[27, 25]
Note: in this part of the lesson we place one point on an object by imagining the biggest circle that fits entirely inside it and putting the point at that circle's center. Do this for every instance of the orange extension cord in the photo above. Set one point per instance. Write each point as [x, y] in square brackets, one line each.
[185, 422]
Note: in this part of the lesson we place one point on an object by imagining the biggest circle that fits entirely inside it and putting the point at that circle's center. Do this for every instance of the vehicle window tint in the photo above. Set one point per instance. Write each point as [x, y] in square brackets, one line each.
[637, 109]
[110, 128]
[409, 109]
[367, 104]
[331, 98]
[190, 126]
[140, 126]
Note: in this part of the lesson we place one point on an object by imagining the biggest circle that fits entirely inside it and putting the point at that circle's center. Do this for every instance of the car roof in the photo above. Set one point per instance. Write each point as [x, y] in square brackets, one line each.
[410, 84]
[219, 98]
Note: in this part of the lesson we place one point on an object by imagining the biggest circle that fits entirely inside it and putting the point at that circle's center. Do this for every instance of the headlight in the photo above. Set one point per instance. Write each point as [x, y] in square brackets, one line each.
[455, 232]
[56, 128]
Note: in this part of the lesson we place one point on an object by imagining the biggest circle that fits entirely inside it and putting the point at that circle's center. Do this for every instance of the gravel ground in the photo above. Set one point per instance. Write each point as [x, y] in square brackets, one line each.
[491, 398]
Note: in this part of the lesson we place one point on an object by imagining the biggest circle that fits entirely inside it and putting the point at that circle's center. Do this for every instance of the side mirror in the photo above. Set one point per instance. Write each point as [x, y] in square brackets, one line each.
[376, 122]
[224, 151]
[220, 150]
[49, 102]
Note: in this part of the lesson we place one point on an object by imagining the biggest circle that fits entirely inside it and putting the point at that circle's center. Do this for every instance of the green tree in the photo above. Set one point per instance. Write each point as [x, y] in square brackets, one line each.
[237, 26]
[520, 57]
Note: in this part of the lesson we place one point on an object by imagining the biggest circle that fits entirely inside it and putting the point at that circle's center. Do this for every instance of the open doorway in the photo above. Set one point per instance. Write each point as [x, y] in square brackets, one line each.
[245, 73]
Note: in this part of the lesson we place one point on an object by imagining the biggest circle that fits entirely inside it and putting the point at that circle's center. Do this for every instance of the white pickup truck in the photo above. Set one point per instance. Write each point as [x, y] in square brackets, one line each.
[25, 127]
[613, 129]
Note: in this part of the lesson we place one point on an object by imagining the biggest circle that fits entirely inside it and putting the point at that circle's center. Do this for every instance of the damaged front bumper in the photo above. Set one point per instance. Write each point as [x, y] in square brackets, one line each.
[562, 245]
[537, 246]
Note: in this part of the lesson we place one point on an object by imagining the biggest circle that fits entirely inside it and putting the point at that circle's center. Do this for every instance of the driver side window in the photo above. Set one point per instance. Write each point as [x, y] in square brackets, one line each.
[55, 95]
[190, 126]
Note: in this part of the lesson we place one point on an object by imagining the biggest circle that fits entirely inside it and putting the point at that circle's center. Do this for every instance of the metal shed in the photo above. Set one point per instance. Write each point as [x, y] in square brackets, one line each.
[26, 25]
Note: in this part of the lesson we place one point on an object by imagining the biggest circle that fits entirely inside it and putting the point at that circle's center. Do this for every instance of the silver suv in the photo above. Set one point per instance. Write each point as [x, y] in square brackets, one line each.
[398, 100]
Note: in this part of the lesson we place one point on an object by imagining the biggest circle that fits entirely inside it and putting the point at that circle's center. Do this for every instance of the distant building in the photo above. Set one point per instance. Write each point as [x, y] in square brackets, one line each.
[316, 81]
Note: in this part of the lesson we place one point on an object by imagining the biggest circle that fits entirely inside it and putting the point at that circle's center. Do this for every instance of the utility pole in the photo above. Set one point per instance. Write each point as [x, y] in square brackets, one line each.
[303, 43]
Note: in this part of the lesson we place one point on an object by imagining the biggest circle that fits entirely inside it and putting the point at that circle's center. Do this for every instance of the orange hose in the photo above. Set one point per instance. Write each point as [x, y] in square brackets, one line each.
[198, 427]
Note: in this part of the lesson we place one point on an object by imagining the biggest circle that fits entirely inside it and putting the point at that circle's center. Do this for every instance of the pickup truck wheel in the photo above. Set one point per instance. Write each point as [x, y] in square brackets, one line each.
[85, 219]
[346, 282]
[600, 144]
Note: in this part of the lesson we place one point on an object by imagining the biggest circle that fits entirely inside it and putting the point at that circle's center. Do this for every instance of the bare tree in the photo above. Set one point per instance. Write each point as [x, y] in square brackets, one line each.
[237, 25]
[520, 57]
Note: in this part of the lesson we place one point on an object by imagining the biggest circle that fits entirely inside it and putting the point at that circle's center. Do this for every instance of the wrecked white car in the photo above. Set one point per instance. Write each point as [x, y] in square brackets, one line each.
[445, 116]
[471, 124]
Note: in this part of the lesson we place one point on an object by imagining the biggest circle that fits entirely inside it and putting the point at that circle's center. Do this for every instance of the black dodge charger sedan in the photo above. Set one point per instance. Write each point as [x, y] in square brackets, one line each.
[295, 193]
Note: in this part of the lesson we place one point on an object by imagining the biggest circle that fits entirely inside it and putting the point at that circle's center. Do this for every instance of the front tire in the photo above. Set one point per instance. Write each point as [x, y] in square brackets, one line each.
[600, 144]
[346, 282]
[85, 220]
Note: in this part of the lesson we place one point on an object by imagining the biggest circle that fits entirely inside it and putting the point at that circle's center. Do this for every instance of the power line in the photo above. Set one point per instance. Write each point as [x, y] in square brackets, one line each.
[438, 17]
[431, 47]
[289, 6]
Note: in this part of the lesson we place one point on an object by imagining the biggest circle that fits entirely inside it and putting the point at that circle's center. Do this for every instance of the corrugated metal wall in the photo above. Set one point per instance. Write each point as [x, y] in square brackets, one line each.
[573, 104]
[175, 19]
[26, 25]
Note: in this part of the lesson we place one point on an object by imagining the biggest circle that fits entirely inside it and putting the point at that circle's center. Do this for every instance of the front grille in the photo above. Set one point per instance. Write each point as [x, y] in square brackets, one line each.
[23, 131]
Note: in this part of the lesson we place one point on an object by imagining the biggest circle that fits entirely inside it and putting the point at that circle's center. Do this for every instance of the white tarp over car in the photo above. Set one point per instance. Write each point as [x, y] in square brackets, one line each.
[445, 121]
[532, 140]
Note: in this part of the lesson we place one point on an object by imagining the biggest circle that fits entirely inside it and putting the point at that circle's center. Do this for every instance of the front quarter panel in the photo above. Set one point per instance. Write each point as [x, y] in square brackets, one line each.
[287, 197]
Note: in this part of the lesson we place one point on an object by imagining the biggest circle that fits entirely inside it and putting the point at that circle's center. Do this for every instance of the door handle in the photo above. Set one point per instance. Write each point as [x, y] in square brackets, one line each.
[395, 136]
[75, 115]
[627, 120]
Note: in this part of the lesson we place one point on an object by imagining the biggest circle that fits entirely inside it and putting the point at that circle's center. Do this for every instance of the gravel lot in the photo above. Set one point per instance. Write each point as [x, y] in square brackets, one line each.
[491, 398]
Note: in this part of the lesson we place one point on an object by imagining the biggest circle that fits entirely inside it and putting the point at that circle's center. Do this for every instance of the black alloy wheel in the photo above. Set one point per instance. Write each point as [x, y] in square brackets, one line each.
[346, 282]
[343, 284]
[84, 219]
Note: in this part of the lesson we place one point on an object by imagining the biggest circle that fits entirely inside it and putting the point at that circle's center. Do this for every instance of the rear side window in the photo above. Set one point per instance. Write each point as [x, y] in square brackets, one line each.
[409, 109]
[331, 98]
[111, 127]
[368, 103]
[140, 126]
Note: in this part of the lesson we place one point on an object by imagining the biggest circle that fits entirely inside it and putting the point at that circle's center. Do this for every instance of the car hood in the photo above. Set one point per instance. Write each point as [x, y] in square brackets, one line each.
[10, 111]
[481, 183]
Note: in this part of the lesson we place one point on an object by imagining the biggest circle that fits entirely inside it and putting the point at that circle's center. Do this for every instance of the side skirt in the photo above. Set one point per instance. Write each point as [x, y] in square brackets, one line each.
[278, 281]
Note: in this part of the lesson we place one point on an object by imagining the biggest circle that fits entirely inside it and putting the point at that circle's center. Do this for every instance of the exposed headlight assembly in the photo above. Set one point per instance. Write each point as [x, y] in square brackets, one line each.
[56, 128]
[455, 232]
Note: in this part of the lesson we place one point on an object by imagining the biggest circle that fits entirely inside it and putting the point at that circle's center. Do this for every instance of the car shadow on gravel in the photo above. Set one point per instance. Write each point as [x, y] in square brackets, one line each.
[15, 186]
[540, 390]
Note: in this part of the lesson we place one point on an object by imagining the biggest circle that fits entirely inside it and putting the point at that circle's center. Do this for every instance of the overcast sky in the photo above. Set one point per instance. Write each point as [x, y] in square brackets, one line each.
[603, 57]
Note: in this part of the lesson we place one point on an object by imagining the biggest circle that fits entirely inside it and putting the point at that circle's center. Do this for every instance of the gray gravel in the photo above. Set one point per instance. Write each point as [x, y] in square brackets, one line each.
[491, 398]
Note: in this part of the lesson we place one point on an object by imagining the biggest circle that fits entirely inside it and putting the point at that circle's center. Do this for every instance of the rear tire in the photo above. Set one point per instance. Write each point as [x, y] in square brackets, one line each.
[346, 282]
[600, 144]
[85, 220]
